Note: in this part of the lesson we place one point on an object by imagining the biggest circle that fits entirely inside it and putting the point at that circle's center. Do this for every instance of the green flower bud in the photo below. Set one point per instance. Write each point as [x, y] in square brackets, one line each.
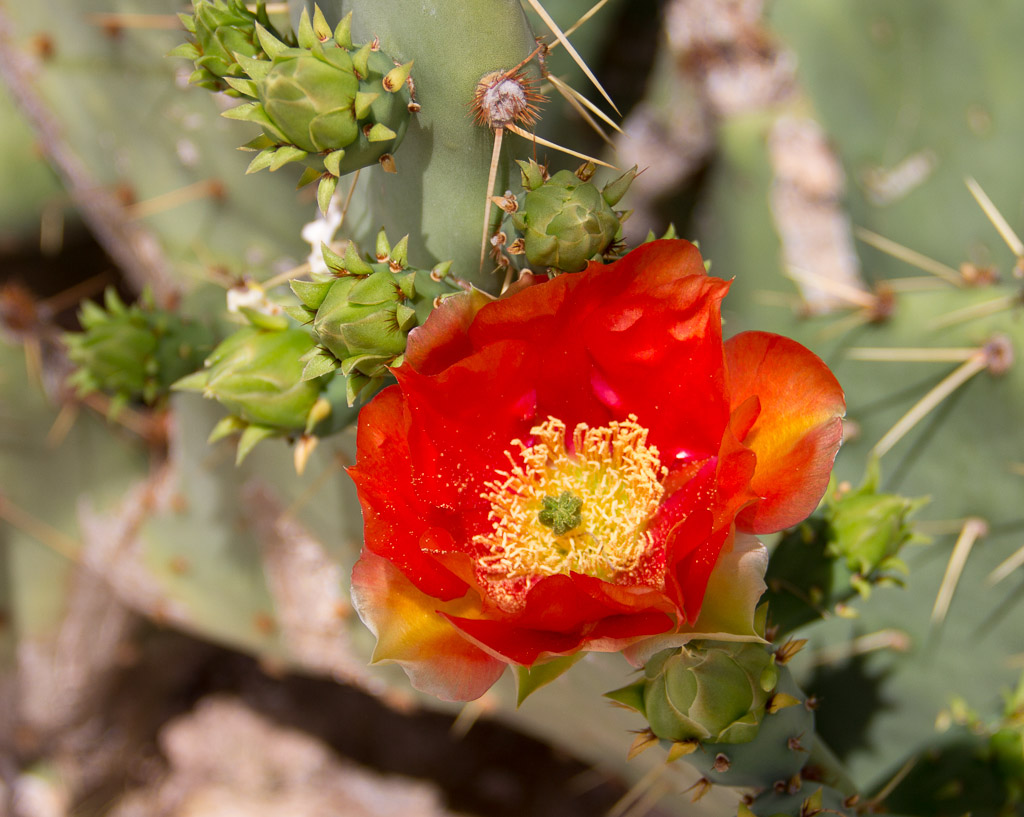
[363, 316]
[366, 317]
[133, 353]
[566, 222]
[310, 99]
[257, 375]
[221, 29]
[706, 691]
[869, 528]
[327, 103]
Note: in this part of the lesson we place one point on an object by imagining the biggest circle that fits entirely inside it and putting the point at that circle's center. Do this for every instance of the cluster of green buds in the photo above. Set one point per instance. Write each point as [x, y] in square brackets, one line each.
[706, 691]
[327, 103]
[256, 374]
[566, 220]
[133, 353]
[362, 312]
[867, 529]
[220, 30]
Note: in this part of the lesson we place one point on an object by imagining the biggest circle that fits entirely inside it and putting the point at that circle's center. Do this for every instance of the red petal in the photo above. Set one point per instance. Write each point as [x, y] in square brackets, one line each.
[412, 632]
[522, 645]
[393, 517]
[641, 335]
[444, 338]
[798, 431]
[694, 571]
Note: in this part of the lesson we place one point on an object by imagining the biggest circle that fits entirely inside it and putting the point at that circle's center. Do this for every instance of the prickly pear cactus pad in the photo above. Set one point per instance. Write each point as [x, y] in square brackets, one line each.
[920, 102]
[439, 204]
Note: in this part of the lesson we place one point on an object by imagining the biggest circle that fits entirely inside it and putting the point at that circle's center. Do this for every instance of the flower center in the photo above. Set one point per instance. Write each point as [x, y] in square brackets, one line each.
[583, 510]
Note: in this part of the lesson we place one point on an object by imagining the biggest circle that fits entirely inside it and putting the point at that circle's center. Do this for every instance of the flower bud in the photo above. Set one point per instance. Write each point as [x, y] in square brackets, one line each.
[869, 528]
[366, 317]
[326, 103]
[133, 353]
[257, 375]
[221, 29]
[363, 317]
[565, 222]
[310, 99]
[706, 691]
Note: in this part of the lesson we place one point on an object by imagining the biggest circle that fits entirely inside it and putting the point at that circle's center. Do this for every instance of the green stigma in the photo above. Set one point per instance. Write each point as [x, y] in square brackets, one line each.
[561, 513]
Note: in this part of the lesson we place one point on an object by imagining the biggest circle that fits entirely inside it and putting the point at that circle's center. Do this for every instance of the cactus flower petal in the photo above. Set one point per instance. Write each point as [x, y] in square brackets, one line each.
[796, 433]
[411, 633]
[567, 468]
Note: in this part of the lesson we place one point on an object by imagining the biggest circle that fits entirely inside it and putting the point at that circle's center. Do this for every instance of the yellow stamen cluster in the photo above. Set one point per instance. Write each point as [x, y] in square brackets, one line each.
[615, 473]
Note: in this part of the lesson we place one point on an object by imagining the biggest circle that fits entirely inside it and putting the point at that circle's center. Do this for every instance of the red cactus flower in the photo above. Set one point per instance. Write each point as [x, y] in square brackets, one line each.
[566, 469]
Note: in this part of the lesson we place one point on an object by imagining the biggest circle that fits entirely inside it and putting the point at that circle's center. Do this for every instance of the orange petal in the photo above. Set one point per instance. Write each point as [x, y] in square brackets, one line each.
[798, 431]
[411, 632]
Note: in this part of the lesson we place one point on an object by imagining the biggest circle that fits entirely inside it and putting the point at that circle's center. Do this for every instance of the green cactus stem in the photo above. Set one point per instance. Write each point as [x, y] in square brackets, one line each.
[439, 202]
[566, 220]
[362, 313]
[133, 353]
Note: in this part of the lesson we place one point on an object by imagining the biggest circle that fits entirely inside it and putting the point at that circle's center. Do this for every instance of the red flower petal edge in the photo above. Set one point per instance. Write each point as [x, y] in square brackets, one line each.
[567, 468]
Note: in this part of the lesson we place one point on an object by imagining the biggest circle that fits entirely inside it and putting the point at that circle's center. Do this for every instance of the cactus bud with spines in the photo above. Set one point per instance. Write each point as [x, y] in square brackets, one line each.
[256, 374]
[713, 691]
[362, 314]
[327, 103]
[565, 221]
[840, 553]
[133, 353]
[869, 528]
[221, 29]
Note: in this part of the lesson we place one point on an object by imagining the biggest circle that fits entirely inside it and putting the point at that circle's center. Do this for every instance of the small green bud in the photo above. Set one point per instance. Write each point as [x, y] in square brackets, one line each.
[363, 317]
[359, 317]
[323, 103]
[133, 353]
[221, 30]
[566, 222]
[257, 375]
[869, 528]
[706, 691]
[311, 101]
